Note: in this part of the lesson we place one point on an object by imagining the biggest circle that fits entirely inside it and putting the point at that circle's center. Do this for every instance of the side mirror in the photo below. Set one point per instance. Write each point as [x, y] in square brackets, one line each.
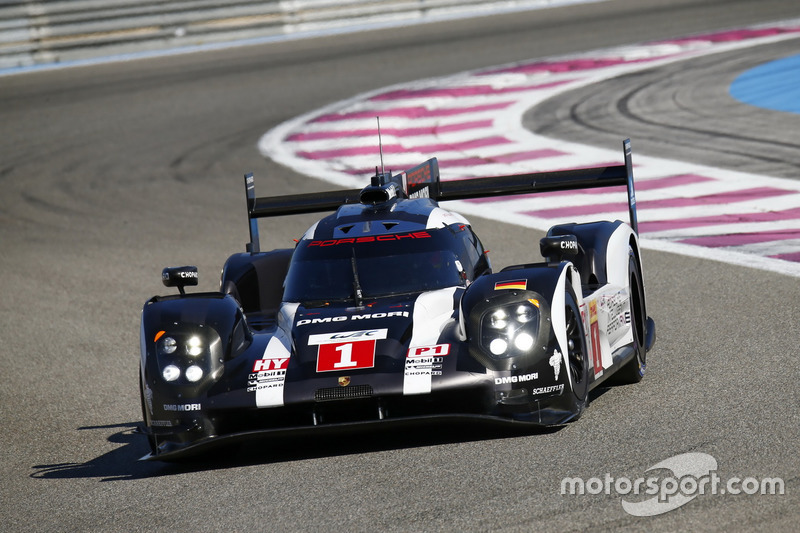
[554, 248]
[180, 277]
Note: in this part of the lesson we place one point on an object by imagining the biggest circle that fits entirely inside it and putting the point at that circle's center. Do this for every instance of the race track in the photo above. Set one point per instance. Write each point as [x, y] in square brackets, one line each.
[110, 172]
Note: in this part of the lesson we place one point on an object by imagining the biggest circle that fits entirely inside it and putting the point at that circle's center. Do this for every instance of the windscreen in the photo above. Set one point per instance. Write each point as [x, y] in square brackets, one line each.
[384, 265]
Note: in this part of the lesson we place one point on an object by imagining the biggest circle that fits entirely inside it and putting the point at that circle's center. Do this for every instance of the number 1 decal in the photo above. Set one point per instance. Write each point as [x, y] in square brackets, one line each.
[346, 360]
[346, 350]
[345, 356]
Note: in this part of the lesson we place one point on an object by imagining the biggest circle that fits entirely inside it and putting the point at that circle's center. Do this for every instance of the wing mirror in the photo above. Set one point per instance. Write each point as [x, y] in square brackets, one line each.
[555, 248]
[180, 277]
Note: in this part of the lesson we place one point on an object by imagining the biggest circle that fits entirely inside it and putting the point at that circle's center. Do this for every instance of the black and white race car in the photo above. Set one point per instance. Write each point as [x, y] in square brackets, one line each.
[388, 311]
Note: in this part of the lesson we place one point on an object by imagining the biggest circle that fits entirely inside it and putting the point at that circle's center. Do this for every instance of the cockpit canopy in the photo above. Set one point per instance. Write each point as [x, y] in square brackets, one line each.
[384, 265]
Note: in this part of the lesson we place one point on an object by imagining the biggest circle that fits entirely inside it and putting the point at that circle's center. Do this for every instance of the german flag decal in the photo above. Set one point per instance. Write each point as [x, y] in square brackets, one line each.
[517, 284]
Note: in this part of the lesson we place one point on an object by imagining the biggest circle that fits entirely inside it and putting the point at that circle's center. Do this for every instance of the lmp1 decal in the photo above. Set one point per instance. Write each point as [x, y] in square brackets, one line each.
[517, 284]
[429, 351]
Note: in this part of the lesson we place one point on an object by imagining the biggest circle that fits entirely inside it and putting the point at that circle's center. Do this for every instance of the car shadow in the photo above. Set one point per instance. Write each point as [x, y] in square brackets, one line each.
[123, 463]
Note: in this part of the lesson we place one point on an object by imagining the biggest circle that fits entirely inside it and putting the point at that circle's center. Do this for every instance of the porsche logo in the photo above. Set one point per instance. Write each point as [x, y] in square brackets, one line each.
[344, 381]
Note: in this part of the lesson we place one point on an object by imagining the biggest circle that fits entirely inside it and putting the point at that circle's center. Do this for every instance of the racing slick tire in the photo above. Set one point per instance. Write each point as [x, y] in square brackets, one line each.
[576, 351]
[633, 370]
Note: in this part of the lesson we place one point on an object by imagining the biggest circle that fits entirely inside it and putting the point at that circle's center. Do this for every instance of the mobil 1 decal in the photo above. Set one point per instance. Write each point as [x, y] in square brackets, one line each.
[422, 363]
[346, 350]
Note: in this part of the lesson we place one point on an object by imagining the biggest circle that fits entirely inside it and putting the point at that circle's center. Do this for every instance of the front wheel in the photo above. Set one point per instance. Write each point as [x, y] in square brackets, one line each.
[576, 350]
[151, 440]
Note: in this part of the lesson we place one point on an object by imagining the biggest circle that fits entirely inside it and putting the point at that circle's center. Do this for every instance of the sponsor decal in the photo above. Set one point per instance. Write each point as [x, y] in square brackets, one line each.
[345, 318]
[424, 363]
[594, 329]
[569, 245]
[516, 379]
[269, 375]
[555, 362]
[517, 284]
[278, 363]
[372, 238]
[424, 192]
[346, 350]
[342, 336]
[181, 407]
[263, 386]
[547, 390]
[429, 351]
[617, 310]
[161, 423]
[420, 369]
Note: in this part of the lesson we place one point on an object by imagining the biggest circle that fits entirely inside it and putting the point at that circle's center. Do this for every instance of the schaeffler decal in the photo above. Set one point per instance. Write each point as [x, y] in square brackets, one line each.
[555, 362]
[547, 390]
[346, 350]
[517, 284]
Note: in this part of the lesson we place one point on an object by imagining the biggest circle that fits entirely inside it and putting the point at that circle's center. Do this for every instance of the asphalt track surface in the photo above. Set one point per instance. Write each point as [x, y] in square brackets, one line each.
[109, 173]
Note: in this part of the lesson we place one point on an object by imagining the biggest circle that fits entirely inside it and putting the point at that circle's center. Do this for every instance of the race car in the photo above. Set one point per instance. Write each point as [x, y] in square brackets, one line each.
[388, 311]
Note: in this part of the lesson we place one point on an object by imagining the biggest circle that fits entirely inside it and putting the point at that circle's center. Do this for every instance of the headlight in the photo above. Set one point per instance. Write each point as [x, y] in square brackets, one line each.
[185, 357]
[194, 346]
[511, 329]
[526, 312]
[194, 373]
[498, 346]
[523, 342]
[169, 345]
[171, 373]
[498, 319]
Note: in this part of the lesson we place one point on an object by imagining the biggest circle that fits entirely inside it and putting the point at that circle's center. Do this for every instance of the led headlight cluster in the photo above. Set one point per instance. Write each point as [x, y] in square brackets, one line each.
[181, 355]
[511, 329]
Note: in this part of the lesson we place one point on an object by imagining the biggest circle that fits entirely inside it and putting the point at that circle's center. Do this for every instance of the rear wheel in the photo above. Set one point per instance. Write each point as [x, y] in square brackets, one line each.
[633, 371]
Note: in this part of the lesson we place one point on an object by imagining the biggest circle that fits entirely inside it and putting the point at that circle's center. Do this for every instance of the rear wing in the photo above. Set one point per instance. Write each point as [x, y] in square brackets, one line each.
[423, 181]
